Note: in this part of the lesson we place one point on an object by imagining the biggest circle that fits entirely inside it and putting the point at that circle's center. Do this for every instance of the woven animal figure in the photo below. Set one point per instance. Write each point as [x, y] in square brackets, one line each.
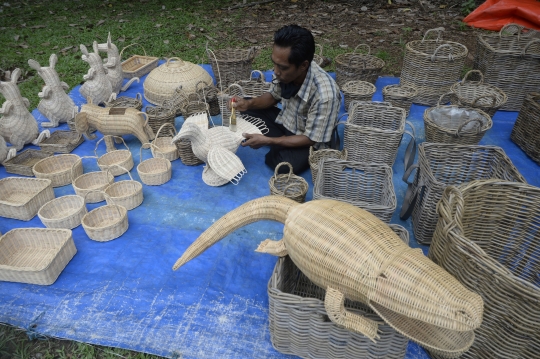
[352, 254]
[55, 104]
[113, 67]
[113, 121]
[5, 152]
[97, 86]
[17, 125]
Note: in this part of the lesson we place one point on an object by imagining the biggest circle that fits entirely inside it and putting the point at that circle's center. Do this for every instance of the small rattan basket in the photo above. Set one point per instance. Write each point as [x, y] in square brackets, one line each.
[209, 94]
[177, 100]
[61, 142]
[127, 102]
[60, 169]
[231, 65]
[526, 130]
[106, 223]
[154, 171]
[90, 185]
[137, 65]
[63, 212]
[22, 163]
[355, 66]
[21, 198]
[127, 193]
[288, 184]
[255, 86]
[357, 91]
[160, 115]
[316, 156]
[400, 96]
[115, 161]
[164, 144]
[192, 107]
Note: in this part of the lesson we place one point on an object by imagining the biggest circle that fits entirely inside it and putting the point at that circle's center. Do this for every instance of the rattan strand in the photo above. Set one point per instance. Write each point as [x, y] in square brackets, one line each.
[355, 66]
[21, 198]
[316, 156]
[288, 184]
[526, 130]
[60, 169]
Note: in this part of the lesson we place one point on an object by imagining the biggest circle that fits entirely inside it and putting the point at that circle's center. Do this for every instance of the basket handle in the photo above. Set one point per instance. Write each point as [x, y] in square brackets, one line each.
[281, 164]
[135, 43]
[410, 152]
[485, 96]
[453, 198]
[138, 97]
[102, 138]
[476, 119]
[481, 81]
[166, 124]
[450, 56]
[80, 159]
[320, 48]
[289, 186]
[250, 53]
[91, 191]
[260, 78]
[439, 33]
[177, 59]
[233, 85]
[122, 167]
[411, 197]
[152, 146]
[506, 27]
[450, 94]
[354, 56]
[366, 45]
[534, 41]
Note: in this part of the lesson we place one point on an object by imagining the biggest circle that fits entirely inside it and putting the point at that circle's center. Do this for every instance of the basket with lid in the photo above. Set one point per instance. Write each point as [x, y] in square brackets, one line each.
[115, 161]
[288, 184]
[138, 65]
[162, 82]
[231, 65]
[355, 66]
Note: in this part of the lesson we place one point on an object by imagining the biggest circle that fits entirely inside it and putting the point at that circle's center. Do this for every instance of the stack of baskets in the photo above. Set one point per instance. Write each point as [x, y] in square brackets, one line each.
[526, 130]
[355, 66]
[288, 184]
[478, 95]
[231, 65]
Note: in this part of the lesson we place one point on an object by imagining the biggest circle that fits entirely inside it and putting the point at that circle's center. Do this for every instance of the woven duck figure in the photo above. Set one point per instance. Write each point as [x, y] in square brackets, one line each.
[55, 104]
[113, 67]
[352, 254]
[97, 86]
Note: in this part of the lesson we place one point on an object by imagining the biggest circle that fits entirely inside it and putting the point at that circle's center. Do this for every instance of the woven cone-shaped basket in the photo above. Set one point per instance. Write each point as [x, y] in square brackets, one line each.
[127, 193]
[21, 198]
[60, 169]
[115, 161]
[231, 65]
[355, 66]
[288, 184]
[316, 156]
[63, 212]
[526, 130]
[161, 83]
[400, 96]
[163, 142]
[106, 223]
[357, 91]
[154, 171]
[226, 164]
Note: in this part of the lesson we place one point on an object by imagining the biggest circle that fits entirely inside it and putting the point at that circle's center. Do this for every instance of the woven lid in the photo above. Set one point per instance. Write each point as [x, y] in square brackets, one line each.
[161, 83]
[226, 164]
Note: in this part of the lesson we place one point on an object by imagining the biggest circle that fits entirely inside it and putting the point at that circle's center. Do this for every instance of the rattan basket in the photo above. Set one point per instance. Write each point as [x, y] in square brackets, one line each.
[124, 101]
[59, 169]
[526, 130]
[127, 193]
[35, 255]
[477, 94]
[373, 132]
[154, 171]
[106, 223]
[231, 65]
[455, 124]
[164, 144]
[510, 60]
[90, 185]
[63, 212]
[177, 100]
[137, 65]
[487, 237]
[115, 161]
[61, 142]
[160, 115]
[255, 86]
[21, 198]
[355, 66]
[318, 57]
[441, 165]
[209, 94]
[22, 163]
[432, 66]
[224, 99]
[192, 107]
[400, 96]
[365, 185]
[185, 152]
[288, 184]
[357, 91]
[316, 156]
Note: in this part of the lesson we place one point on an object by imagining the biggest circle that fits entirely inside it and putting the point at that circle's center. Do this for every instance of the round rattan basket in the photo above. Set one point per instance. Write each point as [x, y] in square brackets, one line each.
[115, 161]
[106, 223]
[316, 156]
[400, 96]
[255, 86]
[124, 101]
[164, 143]
[161, 82]
[127, 193]
[288, 185]
[90, 185]
[59, 169]
[154, 171]
[63, 212]
[357, 91]
[355, 66]
[231, 65]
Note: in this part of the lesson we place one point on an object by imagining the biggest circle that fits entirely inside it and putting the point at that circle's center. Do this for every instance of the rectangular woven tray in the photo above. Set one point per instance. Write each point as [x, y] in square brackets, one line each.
[138, 66]
[61, 142]
[21, 198]
[35, 255]
[22, 163]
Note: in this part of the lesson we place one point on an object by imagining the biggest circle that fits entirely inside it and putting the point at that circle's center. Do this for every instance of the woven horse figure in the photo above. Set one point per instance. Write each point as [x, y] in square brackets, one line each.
[17, 125]
[113, 121]
[352, 254]
[97, 85]
[113, 67]
[55, 104]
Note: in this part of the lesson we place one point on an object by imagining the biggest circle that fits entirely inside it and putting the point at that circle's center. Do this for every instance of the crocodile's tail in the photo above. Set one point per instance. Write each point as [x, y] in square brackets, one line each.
[274, 208]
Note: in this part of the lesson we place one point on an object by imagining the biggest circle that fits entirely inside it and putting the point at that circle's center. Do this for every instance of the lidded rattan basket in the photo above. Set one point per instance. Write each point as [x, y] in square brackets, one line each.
[231, 65]
[355, 66]
[162, 82]
[115, 161]
[400, 96]
[316, 156]
[526, 130]
[107, 222]
[288, 184]
[60, 169]
[357, 91]
[63, 212]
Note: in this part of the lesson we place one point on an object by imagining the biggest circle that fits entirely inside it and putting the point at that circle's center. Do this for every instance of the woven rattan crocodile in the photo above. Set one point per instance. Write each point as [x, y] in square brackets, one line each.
[352, 254]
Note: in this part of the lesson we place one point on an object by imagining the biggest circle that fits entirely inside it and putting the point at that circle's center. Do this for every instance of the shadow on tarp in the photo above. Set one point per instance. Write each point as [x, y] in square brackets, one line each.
[123, 293]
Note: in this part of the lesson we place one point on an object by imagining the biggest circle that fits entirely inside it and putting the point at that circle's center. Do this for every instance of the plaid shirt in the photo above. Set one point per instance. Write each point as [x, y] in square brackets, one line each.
[313, 111]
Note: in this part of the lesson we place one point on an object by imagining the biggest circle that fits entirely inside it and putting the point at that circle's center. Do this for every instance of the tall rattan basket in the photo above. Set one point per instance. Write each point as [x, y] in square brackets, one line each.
[487, 237]
[441, 165]
[526, 131]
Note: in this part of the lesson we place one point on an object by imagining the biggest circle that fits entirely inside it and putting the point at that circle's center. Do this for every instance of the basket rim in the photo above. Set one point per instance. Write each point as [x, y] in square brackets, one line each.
[59, 199]
[121, 210]
[482, 39]
[458, 86]
[122, 183]
[429, 120]
[159, 159]
[53, 159]
[463, 53]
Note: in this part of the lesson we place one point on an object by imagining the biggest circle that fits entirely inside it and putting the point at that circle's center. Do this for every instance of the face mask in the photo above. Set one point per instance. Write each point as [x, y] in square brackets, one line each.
[289, 90]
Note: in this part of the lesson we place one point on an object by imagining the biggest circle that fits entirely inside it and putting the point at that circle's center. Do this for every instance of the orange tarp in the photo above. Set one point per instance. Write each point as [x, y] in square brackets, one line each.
[494, 14]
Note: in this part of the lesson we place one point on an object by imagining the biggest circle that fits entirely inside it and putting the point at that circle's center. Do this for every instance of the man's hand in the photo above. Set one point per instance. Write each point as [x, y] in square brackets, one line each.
[241, 104]
[255, 140]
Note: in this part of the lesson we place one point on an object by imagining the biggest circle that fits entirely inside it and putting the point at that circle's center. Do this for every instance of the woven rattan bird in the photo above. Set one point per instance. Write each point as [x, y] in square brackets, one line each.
[354, 255]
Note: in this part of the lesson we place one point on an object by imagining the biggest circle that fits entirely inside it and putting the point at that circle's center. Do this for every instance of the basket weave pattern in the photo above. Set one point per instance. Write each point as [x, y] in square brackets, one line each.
[106, 223]
[526, 131]
[355, 66]
[400, 96]
[61, 141]
[231, 65]
[288, 184]
[60, 169]
[315, 158]
[23, 163]
[63, 212]
[117, 161]
[21, 198]
[128, 193]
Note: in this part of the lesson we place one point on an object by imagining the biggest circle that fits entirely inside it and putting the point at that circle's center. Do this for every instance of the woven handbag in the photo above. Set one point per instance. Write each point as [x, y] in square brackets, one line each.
[316, 156]
[255, 86]
[487, 237]
[355, 66]
[477, 94]
[365, 185]
[24, 161]
[231, 65]
[163, 142]
[441, 165]
[510, 60]
[455, 124]
[357, 91]
[526, 130]
[432, 66]
[115, 161]
[400, 96]
[137, 65]
[21, 198]
[288, 184]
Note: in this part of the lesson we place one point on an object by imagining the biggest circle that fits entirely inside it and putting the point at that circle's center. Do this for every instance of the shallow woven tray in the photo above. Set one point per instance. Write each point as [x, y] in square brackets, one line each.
[127, 193]
[35, 255]
[526, 130]
[316, 156]
[61, 142]
[115, 161]
[22, 163]
[125, 102]
[106, 223]
[21, 198]
[355, 66]
[60, 169]
[357, 91]
[154, 171]
[288, 184]
[137, 65]
[63, 212]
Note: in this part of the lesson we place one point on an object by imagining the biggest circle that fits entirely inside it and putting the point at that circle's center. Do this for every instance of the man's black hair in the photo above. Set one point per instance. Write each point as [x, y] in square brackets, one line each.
[300, 41]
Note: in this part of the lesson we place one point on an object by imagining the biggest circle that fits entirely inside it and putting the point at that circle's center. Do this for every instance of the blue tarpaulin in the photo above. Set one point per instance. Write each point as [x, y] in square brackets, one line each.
[123, 293]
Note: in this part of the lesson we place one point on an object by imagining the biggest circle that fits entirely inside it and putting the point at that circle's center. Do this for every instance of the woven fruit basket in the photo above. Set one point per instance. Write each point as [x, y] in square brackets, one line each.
[163, 143]
[137, 65]
[63, 212]
[154, 171]
[355, 66]
[35, 255]
[115, 161]
[90, 185]
[315, 158]
[106, 223]
[61, 142]
[127, 193]
[126, 102]
[60, 169]
[21, 198]
[22, 163]
[288, 184]
[357, 91]
[400, 96]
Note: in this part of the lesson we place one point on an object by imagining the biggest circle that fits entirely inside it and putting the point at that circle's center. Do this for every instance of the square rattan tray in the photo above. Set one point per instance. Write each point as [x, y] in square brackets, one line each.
[61, 142]
[22, 163]
[21, 198]
[35, 255]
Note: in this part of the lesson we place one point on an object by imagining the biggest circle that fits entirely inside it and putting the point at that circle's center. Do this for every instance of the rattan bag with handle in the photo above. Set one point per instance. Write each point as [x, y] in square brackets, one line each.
[91, 185]
[255, 86]
[116, 160]
[164, 144]
[526, 130]
[316, 156]
[127, 193]
[355, 66]
[21, 198]
[60, 169]
[63, 212]
[154, 171]
[137, 65]
[487, 238]
[288, 184]
[107, 222]
[352, 254]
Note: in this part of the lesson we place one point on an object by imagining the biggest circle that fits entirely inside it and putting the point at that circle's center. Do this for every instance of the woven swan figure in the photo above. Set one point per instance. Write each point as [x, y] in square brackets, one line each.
[55, 104]
[113, 67]
[17, 125]
[352, 254]
[97, 86]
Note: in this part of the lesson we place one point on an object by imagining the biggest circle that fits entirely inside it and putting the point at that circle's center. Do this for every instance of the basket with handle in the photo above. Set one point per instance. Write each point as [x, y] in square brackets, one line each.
[231, 65]
[107, 222]
[194, 105]
[432, 66]
[91, 185]
[355, 66]
[177, 100]
[63, 212]
[137, 65]
[61, 141]
[21, 198]
[441, 165]
[225, 99]
[357, 91]
[365, 185]
[154, 171]
[508, 60]
[127, 193]
[124, 101]
[288, 184]
[400, 96]
[159, 115]
[316, 156]
[486, 237]
[255, 86]
[118, 159]
[318, 57]
[59, 169]
[23, 162]
[209, 94]
[164, 143]
[526, 130]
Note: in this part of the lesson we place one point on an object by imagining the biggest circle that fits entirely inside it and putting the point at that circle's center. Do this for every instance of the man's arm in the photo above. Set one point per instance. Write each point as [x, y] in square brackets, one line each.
[266, 100]
[258, 141]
